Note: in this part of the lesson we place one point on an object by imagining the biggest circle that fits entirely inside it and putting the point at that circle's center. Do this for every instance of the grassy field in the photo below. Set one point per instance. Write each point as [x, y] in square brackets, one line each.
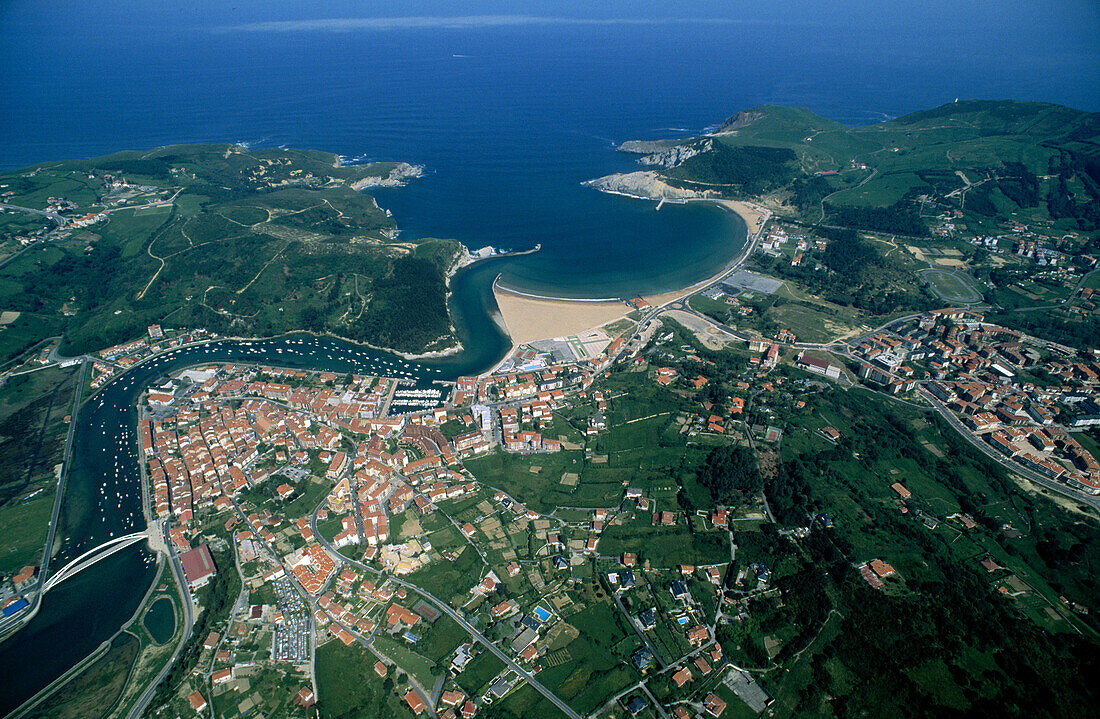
[880, 192]
[597, 666]
[810, 324]
[811, 318]
[98, 686]
[348, 688]
[257, 242]
[418, 666]
[451, 579]
[32, 435]
[23, 532]
[665, 547]
[440, 640]
[26, 332]
[475, 678]
[991, 160]
[953, 287]
[540, 490]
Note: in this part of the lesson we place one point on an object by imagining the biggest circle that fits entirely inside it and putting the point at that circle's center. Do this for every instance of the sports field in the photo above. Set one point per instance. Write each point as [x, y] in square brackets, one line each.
[953, 287]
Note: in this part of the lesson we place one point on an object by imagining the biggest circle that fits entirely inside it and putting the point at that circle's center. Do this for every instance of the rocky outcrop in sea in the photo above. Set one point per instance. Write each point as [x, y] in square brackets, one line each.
[645, 184]
[398, 176]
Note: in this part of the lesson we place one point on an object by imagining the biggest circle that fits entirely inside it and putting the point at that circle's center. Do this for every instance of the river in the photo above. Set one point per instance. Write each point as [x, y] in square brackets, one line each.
[103, 494]
[508, 119]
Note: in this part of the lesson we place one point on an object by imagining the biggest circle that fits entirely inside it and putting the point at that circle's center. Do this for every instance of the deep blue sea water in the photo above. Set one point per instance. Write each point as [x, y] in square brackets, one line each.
[508, 117]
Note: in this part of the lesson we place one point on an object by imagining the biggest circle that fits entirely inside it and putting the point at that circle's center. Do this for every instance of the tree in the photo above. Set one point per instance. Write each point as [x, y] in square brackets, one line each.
[313, 319]
[731, 474]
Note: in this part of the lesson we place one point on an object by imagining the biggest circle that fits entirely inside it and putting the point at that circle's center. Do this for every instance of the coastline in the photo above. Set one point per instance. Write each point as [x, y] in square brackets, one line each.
[528, 317]
[648, 185]
[398, 176]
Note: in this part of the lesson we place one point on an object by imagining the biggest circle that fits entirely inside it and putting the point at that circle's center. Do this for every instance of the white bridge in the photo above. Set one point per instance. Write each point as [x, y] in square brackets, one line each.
[91, 557]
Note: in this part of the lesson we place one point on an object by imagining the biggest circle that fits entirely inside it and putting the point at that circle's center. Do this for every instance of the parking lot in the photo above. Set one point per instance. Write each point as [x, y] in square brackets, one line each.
[291, 639]
[294, 472]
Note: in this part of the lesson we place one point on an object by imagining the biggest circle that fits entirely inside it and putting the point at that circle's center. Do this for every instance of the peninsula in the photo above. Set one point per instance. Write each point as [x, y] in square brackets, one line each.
[852, 473]
[239, 241]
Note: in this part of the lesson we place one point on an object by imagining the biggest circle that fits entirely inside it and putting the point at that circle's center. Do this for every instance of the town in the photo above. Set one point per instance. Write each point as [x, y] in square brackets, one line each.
[703, 507]
[457, 551]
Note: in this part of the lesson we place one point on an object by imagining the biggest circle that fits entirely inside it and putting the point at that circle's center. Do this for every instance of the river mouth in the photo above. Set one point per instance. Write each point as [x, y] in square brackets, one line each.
[103, 495]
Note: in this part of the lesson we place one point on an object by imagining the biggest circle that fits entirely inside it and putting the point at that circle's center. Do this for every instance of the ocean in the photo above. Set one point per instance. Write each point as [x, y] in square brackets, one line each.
[507, 118]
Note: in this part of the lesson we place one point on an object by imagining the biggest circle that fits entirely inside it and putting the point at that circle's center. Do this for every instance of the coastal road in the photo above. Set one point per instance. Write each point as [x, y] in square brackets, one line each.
[11, 623]
[738, 261]
[65, 457]
[458, 617]
[139, 707]
[943, 411]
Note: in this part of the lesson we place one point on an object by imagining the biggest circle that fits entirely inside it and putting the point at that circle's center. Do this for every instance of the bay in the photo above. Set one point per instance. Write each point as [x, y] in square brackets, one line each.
[508, 120]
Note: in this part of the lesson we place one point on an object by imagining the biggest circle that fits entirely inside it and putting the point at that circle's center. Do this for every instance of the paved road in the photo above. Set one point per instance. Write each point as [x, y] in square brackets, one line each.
[45, 213]
[1069, 298]
[738, 261]
[553, 698]
[52, 215]
[142, 703]
[1000, 459]
[43, 572]
[843, 349]
[65, 457]
[637, 630]
[459, 618]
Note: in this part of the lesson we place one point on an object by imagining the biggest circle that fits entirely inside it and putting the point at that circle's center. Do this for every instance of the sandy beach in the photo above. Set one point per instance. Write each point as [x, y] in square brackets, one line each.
[754, 218]
[529, 319]
[753, 215]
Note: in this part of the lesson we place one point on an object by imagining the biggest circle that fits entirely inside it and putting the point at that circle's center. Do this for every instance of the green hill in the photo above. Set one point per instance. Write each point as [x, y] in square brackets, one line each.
[246, 242]
[988, 159]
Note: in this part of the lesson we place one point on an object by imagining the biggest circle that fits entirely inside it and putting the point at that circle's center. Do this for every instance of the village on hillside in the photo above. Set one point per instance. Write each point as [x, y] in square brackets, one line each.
[354, 522]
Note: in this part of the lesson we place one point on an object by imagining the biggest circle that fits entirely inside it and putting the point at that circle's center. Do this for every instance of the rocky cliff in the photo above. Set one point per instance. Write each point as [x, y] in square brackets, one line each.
[401, 173]
[676, 154]
[645, 184]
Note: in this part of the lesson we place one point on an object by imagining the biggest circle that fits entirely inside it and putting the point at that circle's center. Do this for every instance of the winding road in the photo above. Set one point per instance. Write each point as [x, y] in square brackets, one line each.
[456, 616]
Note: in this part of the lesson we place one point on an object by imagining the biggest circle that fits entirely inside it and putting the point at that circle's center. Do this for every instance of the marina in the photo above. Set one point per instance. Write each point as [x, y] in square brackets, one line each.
[103, 493]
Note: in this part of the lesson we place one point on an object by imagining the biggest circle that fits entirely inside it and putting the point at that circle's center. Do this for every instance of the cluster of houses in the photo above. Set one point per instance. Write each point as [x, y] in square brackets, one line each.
[778, 236]
[976, 369]
[544, 385]
[876, 570]
[207, 452]
[121, 357]
[728, 294]
[770, 353]
[1026, 241]
[522, 404]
